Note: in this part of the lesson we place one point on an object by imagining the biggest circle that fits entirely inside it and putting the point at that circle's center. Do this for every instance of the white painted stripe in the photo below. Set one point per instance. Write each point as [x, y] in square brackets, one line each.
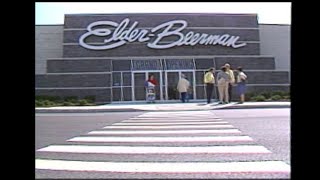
[176, 118]
[162, 139]
[154, 150]
[171, 120]
[168, 123]
[169, 127]
[215, 131]
[165, 167]
[177, 114]
[194, 113]
[181, 112]
[184, 114]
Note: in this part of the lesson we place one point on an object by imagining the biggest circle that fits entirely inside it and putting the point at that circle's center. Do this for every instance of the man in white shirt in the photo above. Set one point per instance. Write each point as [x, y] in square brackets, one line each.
[183, 86]
[241, 79]
[232, 80]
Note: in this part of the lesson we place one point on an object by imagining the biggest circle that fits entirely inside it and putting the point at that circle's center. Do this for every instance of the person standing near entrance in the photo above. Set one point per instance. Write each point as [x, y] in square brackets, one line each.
[209, 81]
[150, 85]
[223, 85]
[152, 80]
[232, 81]
[183, 86]
[241, 81]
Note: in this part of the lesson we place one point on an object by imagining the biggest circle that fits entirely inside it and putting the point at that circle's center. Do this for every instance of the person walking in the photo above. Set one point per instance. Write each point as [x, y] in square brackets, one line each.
[223, 85]
[183, 87]
[209, 81]
[232, 81]
[241, 84]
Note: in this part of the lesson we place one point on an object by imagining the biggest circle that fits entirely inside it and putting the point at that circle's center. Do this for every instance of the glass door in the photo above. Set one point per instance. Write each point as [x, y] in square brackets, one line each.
[171, 86]
[172, 78]
[190, 77]
[139, 91]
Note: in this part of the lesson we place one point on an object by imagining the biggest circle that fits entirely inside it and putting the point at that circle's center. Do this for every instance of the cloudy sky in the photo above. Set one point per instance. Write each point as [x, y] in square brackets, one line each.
[268, 13]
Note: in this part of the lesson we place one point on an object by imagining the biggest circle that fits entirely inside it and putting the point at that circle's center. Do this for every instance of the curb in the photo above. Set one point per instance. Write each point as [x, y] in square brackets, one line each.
[255, 107]
[85, 110]
[141, 110]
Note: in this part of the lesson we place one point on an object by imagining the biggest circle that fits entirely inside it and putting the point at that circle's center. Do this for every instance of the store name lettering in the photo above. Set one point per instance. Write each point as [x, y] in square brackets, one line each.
[123, 34]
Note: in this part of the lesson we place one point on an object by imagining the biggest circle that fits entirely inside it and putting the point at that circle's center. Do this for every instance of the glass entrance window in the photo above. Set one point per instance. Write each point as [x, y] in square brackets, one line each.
[121, 86]
[139, 79]
[190, 78]
[172, 79]
[139, 89]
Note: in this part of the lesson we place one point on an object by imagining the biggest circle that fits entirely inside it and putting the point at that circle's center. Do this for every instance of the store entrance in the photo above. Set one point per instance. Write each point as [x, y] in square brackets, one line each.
[167, 84]
[138, 88]
[171, 81]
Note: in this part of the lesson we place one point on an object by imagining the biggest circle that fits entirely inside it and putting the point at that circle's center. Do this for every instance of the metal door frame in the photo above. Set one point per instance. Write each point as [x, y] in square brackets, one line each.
[146, 77]
[179, 72]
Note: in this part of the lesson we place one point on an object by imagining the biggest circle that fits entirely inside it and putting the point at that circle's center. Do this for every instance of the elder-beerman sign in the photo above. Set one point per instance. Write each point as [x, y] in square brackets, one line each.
[120, 36]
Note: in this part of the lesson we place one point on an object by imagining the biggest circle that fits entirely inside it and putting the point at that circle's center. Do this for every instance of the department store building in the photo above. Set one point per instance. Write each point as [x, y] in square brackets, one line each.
[109, 56]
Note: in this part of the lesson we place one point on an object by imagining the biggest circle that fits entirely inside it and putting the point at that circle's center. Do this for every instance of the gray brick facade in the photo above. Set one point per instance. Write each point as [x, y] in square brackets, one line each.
[83, 65]
[142, 50]
[152, 20]
[258, 63]
[73, 80]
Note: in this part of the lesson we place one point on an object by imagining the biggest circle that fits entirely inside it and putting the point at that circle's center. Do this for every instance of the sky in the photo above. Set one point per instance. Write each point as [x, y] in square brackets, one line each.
[268, 13]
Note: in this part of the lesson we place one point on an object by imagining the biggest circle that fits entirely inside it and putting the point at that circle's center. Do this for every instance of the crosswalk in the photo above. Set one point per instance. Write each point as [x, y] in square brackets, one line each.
[184, 144]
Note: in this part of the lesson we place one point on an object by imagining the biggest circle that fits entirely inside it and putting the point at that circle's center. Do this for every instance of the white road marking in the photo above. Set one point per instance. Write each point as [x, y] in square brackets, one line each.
[165, 167]
[175, 118]
[169, 127]
[170, 120]
[168, 123]
[181, 112]
[155, 150]
[216, 131]
[162, 139]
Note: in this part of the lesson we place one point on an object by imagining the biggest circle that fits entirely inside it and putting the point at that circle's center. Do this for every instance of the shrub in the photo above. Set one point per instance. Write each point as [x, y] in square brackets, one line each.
[72, 99]
[250, 95]
[258, 98]
[276, 97]
[48, 103]
[266, 94]
[39, 103]
[83, 102]
[90, 99]
[50, 98]
[67, 103]
[286, 97]
[280, 93]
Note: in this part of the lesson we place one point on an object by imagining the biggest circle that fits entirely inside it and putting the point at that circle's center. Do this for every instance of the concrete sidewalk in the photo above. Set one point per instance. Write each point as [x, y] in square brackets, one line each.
[162, 107]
